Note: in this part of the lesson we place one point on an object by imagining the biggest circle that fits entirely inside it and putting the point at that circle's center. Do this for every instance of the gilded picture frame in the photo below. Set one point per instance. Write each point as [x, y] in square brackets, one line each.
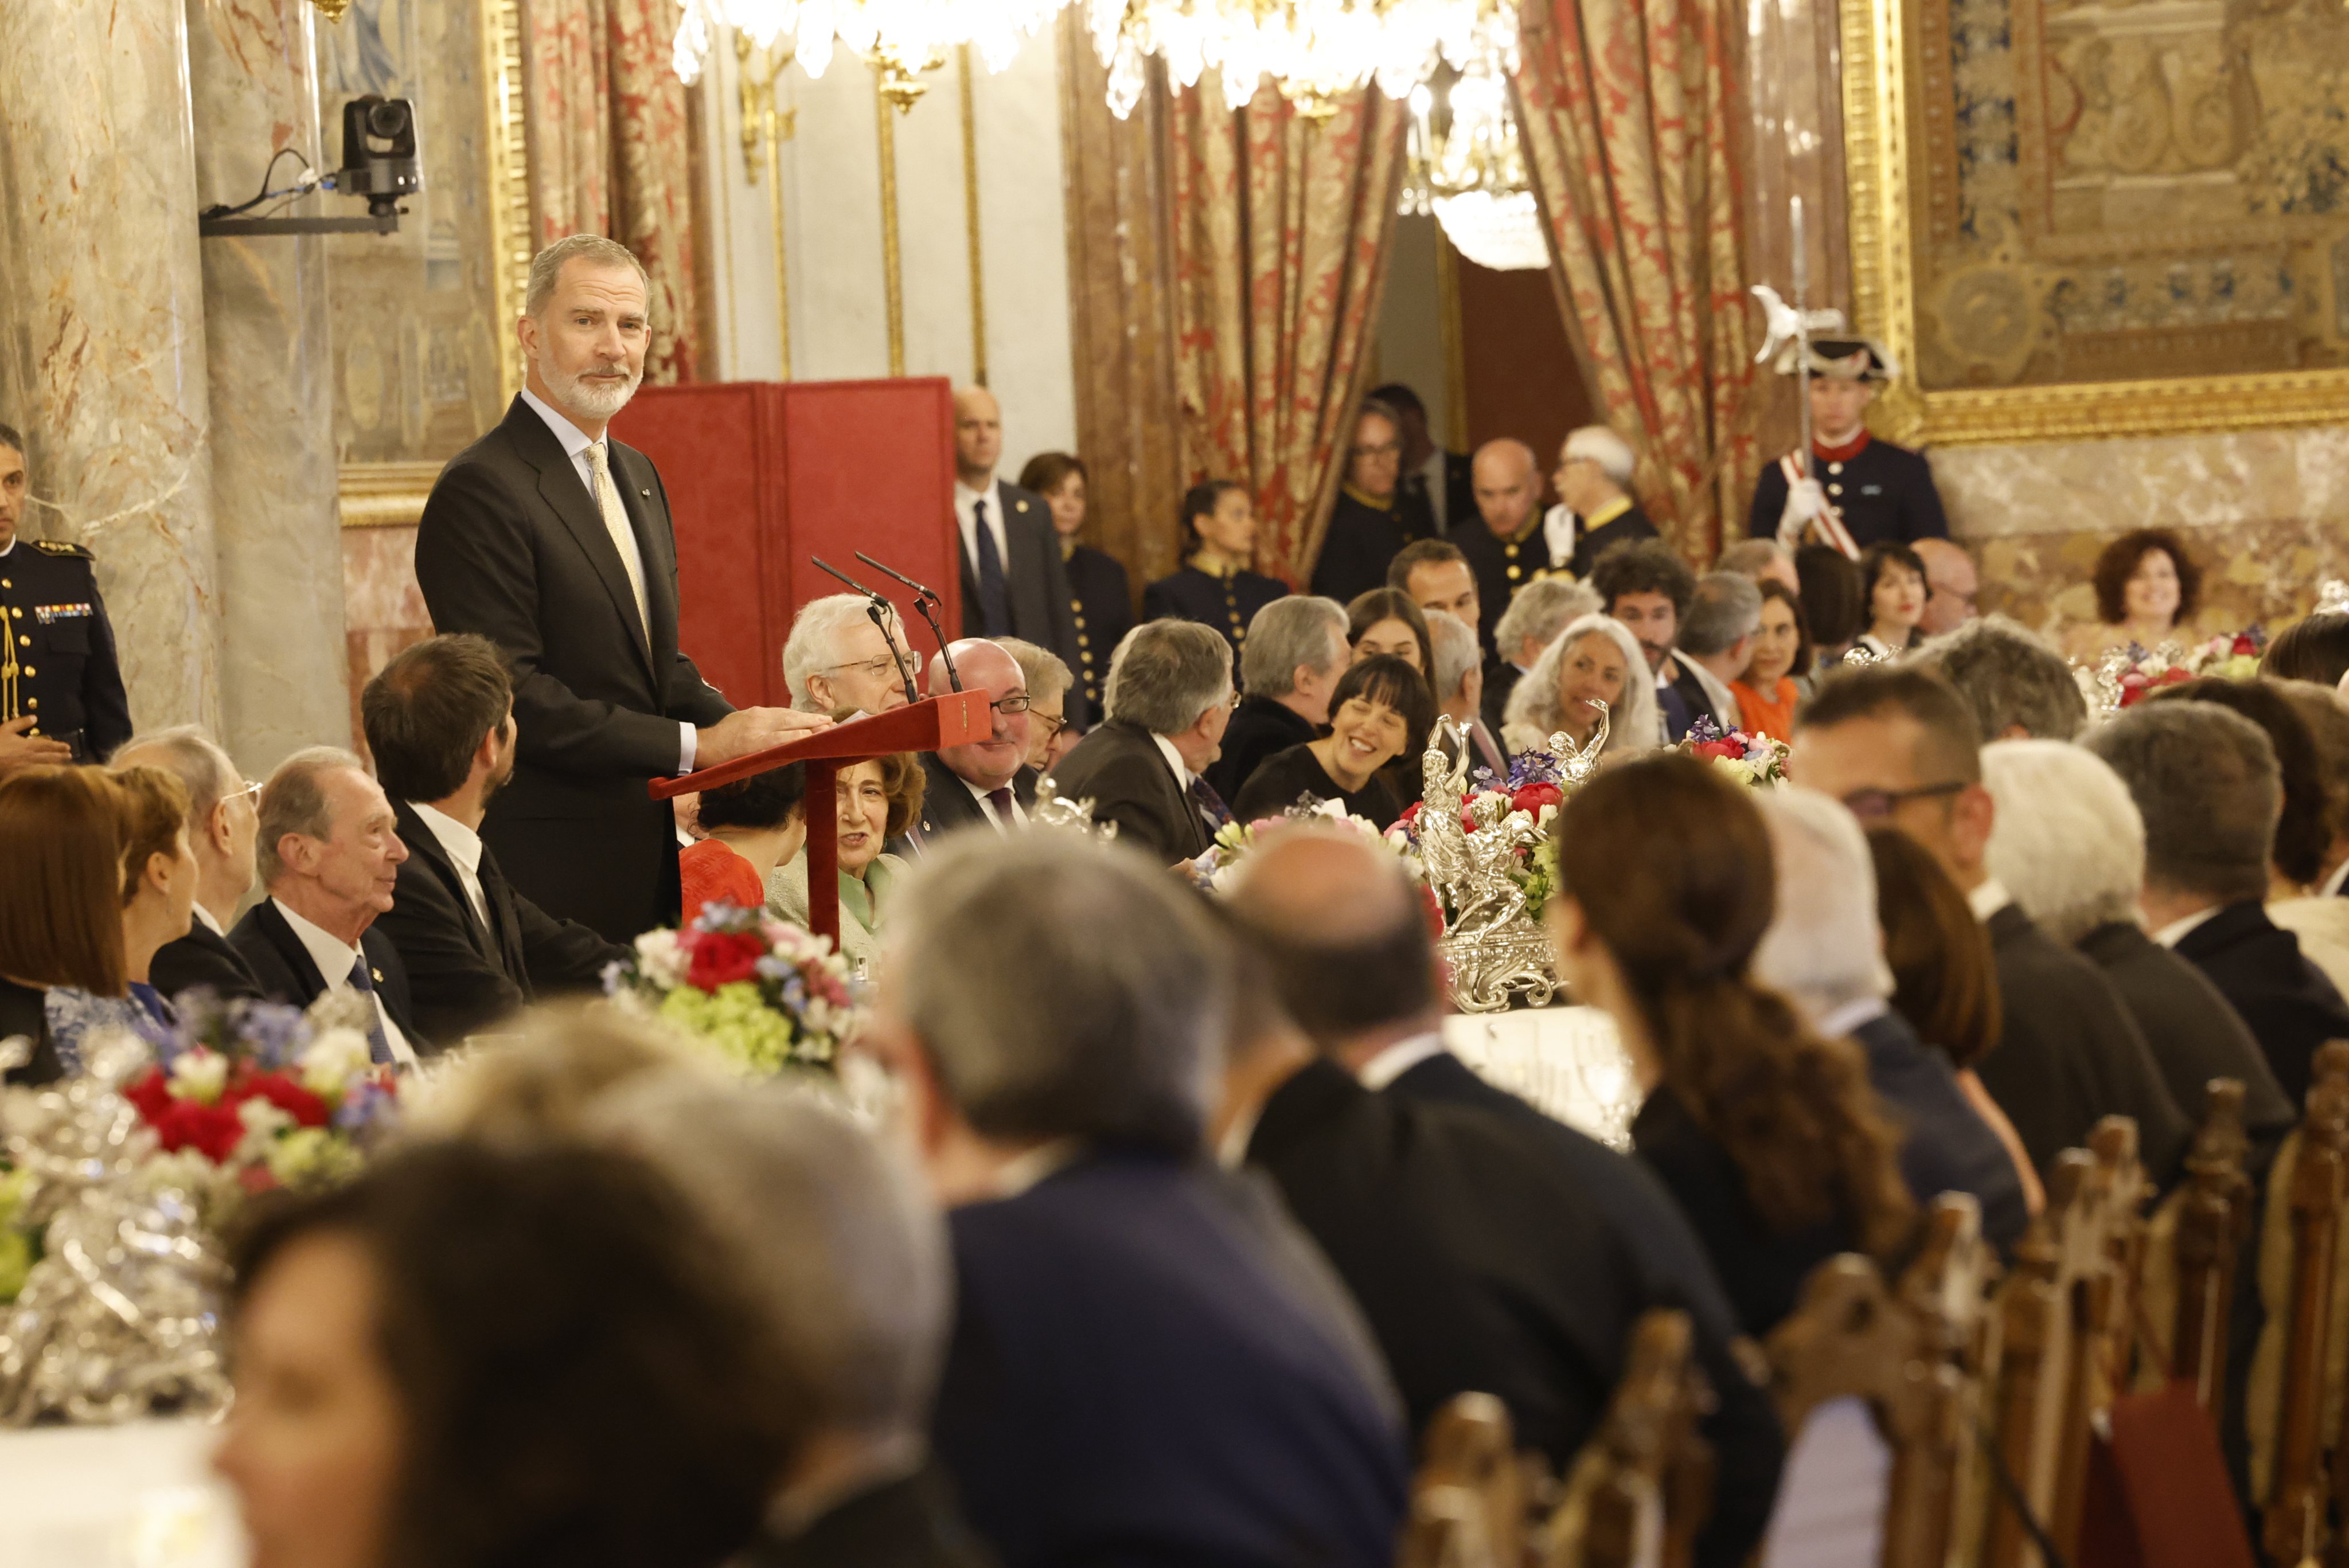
[1888, 51]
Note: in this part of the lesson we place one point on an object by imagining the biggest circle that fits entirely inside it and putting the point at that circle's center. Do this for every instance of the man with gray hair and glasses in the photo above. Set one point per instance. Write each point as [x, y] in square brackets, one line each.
[836, 658]
[222, 825]
[2019, 687]
[1295, 652]
[1133, 1376]
[1170, 698]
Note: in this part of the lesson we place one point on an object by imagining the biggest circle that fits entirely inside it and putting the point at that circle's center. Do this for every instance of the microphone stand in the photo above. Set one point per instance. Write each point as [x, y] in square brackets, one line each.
[879, 608]
[927, 602]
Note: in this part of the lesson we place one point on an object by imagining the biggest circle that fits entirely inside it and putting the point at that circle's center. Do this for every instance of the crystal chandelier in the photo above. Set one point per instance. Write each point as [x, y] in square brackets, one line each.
[901, 40]
[1315, 51]
[1466, 165]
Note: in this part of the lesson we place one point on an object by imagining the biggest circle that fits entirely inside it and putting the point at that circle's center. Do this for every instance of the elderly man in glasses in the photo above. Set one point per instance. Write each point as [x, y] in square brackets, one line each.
[222, 826]
[837, 659]
[981, 783]
[1896, 744]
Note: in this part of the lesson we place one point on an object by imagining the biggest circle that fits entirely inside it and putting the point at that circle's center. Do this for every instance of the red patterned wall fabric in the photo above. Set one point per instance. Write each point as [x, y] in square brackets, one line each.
[1280, 229]
[611, 153]
[1624, 109]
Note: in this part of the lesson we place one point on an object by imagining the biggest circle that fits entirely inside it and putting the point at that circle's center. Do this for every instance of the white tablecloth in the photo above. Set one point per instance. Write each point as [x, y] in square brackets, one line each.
[1567, 1060]
[135, 1496]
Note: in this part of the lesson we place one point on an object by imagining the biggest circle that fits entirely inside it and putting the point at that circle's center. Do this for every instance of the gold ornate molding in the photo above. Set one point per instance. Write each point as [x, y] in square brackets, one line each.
[1880, 121]
[892, 276]
[970, 219]
[384, 495]
[508, 177]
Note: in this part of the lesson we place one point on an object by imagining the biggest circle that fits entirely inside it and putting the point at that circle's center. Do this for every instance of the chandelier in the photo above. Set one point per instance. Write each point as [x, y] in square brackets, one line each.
[901, 40]
[1466, 165]
[1315, 51]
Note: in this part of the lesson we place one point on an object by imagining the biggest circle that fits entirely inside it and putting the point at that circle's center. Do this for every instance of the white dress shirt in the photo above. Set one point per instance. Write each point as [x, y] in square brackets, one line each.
[2176, 931]
[334, 958]
[1019, 815]
[1399, 1058]
[575, 442]
[464, 847]
[965, 502]
[1174, 760]
[1989, 898]
[199, 911]
[2331, 886]
[1841, 1021]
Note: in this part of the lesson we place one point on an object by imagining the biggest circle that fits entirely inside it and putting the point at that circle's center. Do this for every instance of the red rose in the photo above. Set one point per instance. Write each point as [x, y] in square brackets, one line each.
[283, 1093]
[1709, 750]
[151, 1093]
[2174, 677]
[2244, 648]
[1410, 819]
[1534, 796]
[721, 958]
[212, 1130]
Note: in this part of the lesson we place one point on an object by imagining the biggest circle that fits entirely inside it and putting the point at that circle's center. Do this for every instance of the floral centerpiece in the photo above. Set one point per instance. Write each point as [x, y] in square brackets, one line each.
[1753, 760]
[762, 993]
[1517, 809]
[1214, 870]
[2127, 676]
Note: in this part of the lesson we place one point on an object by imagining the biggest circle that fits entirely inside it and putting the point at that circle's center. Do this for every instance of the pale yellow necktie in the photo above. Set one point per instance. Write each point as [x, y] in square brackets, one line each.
[624, 539]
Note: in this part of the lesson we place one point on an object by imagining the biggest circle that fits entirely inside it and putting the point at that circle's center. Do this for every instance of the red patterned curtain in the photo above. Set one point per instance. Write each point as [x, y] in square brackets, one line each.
[1624, 110]
[1280, 229]
[611, 150]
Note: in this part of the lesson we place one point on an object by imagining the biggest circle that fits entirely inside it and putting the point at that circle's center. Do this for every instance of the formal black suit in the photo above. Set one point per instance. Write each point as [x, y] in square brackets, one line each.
[948, 804]
[1129, 1382]
[1671, 1268]
[2069, 1053]
[1100, 606]
[909, 1521]
[1457, 491]
[203, 959]
[511, 546]
[1035, 581]
[1121, 770]
[2257, 966]
[462, 977]
[23, 1010]
[1945, 1145]
[1260, 725]
[286, 973]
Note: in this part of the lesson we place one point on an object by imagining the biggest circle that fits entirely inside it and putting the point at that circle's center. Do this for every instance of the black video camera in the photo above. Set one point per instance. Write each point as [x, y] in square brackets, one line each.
[379, 157]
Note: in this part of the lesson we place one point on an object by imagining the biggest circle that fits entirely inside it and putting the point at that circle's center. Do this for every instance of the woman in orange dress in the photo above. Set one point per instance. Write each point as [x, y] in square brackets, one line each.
[1773, 683]
[754, 825]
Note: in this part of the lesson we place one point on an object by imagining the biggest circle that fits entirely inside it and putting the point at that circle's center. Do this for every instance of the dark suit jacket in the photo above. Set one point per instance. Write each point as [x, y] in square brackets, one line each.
[2069, 1053]
[206, 960]
[282, 965]
[23, 1010]
[1671, 1268]
[1362, 538]
[1129, 1382]
[2291, 1008]
[948, 804]
[512, 547]
[1501, 679]
[1121, 770]
[1259, 728]
[1101, 605]
[1945, 1145]
[1038, 582]
[1588, 547]
[909, 1523]
[461, 977]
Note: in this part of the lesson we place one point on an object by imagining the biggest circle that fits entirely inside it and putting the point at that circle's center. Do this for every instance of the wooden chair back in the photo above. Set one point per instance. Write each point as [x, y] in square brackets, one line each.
[1640, 1489]
[1468, 1500]
[2308, 1186]
[2194, 1255]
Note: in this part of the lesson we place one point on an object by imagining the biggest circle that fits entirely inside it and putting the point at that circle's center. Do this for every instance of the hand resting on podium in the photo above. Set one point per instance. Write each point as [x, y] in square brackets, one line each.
[750, 729]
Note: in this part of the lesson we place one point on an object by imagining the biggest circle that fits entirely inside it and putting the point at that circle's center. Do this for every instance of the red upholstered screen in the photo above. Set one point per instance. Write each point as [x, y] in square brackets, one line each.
[761, 475]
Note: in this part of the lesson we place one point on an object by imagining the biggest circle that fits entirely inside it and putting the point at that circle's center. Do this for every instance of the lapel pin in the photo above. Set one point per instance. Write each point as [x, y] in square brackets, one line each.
[645, 493]
[377, 974]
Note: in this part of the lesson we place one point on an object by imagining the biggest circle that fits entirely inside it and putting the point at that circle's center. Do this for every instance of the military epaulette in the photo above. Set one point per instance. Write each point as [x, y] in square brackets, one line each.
[59, 547]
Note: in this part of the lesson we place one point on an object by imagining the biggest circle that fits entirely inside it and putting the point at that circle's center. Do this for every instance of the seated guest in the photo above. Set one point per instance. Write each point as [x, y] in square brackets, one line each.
[2313, 648]
[1895, 744]
[534, 1357]
[1951, 585]
[2206, 782]
[1944, 977]
[837, 659]
[1536, 614]
[876, 800]
[1595, 508]
[1647, 588]
[1169, 696]
[2147, 587]
[1385, 621]
[1835, 604]
[1381, 711]
[439, 723]
[981, 783]
[754, 826]
[1215, 586]
[1892, 576]
[157, 876]
[1777, 673]
[221, 824]
[1434, 575]
[2019, 687]
[846, 1260]
[1822, 952]
[2320, 917]
[61, 924]
[1129, 1377]
[1375, 516]
[1591, 661]
[1101, 605]
[1491, 1248]
[1297, 649]
[2070, 846]
[330, 855]
[1769, 1136]
[1716, 641]
[1459, 687]
[1048, 679]
[1760, 560]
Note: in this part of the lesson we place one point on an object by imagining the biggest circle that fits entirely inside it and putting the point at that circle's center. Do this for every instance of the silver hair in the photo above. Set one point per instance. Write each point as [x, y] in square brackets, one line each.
[2066, 839]
[1824, 948]
[1046, 674]
[1602, 446]
[1534, 713]
[1457, 653]
[1297, 631]
[2009, 677]
[828, 1226]
[189, 753]
[1725, 607]
[1752, 557]
[546, 267]
[2206, 781]
[1167, 674]
[814, 646]
[1124, 1046]
[294, 801]
[1540, 609]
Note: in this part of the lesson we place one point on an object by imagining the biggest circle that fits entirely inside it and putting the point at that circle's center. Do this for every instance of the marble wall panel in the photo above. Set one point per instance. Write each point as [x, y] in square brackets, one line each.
[382, 607]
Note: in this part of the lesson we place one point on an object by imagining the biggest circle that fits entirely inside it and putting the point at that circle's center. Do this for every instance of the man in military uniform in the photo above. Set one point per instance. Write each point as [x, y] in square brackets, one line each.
[1859, 490]
[61, 696]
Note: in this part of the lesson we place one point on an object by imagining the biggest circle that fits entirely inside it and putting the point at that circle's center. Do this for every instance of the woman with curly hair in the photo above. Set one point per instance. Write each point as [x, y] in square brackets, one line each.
[878, 802]
[2147, 588]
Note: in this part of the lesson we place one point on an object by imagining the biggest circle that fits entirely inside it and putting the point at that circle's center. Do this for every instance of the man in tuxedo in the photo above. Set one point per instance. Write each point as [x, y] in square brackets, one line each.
[221, 824]
[2018, 686]
[1716, 639]
[1459, 685]
[1170, 698]
[837, 658]
[1296, 651]
[2206, 780]
[553, 542]
[1487, 1243]
[1375, 515]
[330, 853]
[1649, 588]
[1014, 582]
[1538, 612]
[1436, 477]
[981, 783]
[1132, 1376]
[439, 722]
[1896, 744]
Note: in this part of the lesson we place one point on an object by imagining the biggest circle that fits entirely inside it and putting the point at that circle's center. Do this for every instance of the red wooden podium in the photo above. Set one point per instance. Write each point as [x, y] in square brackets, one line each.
[953, 719]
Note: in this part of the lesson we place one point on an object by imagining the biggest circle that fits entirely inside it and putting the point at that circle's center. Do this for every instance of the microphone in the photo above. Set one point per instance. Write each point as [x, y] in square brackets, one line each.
[927, 602]
[879, 609]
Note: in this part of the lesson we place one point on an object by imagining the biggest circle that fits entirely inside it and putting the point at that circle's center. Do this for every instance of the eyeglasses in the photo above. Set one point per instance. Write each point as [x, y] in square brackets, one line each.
[1383, 449]
[252, 790]
[886, 665]
[1876, 805]
[1053, 723]
[1016, 703]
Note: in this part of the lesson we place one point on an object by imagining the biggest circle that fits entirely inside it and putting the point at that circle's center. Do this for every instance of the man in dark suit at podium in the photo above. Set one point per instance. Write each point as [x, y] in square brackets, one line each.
[555, 542]
[1014, 583]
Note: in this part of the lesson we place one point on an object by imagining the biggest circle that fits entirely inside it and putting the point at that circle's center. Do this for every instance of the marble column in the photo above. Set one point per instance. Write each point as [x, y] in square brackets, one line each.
[282, 673]
[101, 324]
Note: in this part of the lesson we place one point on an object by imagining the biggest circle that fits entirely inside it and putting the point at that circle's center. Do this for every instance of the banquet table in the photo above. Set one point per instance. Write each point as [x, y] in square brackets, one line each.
[1569, 1061]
